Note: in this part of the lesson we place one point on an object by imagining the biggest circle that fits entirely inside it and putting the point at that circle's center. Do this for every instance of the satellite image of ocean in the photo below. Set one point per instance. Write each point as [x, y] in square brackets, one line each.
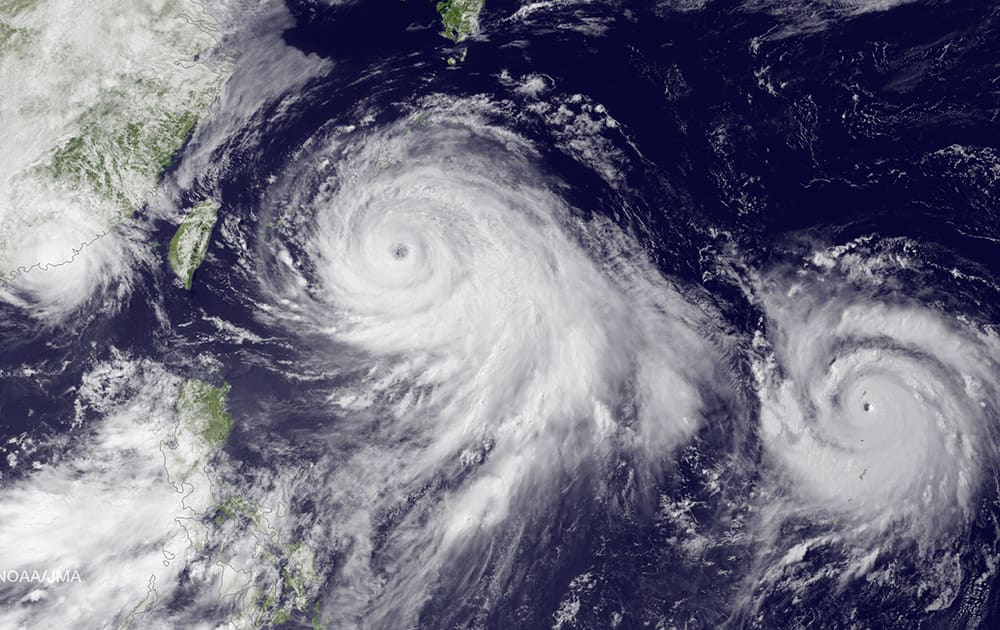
[499, 314]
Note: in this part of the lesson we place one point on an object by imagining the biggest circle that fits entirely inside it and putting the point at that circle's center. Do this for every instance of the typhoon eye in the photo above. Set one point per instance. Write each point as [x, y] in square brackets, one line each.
[474, 314]
[877, 419]
[400, 251]
[488, 321]
[874, 407]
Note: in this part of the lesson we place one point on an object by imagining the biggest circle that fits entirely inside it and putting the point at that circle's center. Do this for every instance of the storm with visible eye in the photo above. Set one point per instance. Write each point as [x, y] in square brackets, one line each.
[879, 416]
[569, 315]
[469, 322]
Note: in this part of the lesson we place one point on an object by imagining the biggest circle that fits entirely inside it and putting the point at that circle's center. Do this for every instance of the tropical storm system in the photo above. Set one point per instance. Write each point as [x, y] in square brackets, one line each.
[568, 314]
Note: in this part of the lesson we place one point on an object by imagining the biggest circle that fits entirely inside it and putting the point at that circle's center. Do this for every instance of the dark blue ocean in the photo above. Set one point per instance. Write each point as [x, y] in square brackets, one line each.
[741, 126]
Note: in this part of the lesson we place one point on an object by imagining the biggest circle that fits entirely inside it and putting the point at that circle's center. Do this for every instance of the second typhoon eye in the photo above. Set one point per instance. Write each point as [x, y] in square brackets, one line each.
[470, 314]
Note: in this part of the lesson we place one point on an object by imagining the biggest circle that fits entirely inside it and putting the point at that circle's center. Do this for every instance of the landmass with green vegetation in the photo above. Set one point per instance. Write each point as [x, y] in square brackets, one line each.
[460, 18]
[235, 507]
[9, 10]
[114, 146]
[292, 596]
[201, 409]
[7, 33]
[190, 243]
[275, 579]
[95, 153]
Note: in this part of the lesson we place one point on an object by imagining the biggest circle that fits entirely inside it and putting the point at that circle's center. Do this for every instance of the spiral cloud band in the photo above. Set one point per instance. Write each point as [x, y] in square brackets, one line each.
[878, 413]
[466, 314]
[480, 357]
[894, 414]
[509, 360]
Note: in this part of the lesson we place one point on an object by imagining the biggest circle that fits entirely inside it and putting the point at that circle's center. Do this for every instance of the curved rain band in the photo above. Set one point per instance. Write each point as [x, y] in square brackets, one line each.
[304, 324]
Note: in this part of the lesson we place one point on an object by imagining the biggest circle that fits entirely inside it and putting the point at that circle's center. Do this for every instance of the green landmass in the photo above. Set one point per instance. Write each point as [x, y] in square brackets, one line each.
[452, 60]
[6, 33]
[286, 581]
[317, 618]
[280, 617]
[201, 409]
[190, 242]
[13, 7]
[235, 506]
[118, 143]
[419, 118]
[293, 593]
[300, 572]
[460, 18]
[12, 36]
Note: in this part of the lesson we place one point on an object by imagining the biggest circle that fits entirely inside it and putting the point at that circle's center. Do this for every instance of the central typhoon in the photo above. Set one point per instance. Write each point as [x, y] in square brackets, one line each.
[460, 315]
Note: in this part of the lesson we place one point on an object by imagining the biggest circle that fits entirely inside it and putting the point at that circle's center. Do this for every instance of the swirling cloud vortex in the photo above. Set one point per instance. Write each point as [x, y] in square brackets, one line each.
[510, 334]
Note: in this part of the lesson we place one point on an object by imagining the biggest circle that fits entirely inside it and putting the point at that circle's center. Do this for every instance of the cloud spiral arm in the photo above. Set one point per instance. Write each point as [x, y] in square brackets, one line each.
[508, 352]
[878, 410]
